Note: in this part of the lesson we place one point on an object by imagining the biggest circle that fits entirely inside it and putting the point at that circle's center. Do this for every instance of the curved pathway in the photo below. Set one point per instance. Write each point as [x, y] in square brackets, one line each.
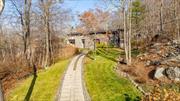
[72, 86]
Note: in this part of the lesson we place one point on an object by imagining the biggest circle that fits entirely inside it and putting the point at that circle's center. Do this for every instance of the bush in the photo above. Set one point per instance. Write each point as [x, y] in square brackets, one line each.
[101, 45]
[135, 52]
[67, 51]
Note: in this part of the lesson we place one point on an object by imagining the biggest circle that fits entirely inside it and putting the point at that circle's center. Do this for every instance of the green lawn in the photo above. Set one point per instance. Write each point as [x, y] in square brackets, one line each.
[102, 82]
[41, 88]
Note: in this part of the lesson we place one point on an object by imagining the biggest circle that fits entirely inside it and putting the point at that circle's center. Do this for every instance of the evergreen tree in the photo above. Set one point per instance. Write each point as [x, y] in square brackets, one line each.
[138, 10]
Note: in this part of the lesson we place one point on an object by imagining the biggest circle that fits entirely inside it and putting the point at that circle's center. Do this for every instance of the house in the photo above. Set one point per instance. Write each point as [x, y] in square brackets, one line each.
[80, 41]
[111, 37]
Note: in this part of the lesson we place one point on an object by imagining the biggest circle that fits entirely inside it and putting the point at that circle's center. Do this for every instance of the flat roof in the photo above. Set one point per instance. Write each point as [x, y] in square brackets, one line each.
[97, 32]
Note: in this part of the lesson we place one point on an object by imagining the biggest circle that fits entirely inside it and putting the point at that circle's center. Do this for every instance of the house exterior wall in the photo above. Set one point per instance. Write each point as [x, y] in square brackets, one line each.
[88, 42]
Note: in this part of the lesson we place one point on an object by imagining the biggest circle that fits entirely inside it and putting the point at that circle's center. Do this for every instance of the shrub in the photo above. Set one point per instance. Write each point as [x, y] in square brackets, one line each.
[101, 45]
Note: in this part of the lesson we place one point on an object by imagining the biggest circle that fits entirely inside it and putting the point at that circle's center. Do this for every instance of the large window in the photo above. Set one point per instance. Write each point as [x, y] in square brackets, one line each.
[72, 41]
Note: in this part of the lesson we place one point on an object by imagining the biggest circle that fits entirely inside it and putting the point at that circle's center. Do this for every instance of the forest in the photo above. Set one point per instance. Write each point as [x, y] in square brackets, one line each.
[114, 50]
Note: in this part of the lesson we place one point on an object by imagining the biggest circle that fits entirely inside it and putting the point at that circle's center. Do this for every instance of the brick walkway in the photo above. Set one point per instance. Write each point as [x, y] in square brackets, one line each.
[72, 87]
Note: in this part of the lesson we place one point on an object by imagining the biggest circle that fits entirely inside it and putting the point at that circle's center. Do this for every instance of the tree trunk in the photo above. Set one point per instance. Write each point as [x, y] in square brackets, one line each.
[125, 33]
[46, 15]
[1, 91]
[94, 39]
[2, 3]
[161, 17]
[176, 17]
[129, 34]
[47, 41]
[27, 47]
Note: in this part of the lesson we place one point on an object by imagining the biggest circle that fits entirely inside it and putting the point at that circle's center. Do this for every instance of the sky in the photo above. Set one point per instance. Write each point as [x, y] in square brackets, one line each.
[79, 6]
[82, 5]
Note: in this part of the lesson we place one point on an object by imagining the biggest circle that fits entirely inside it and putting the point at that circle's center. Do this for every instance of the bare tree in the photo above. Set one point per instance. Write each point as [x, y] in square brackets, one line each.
[2, 3]
[25, 24]
[50, 13]
[130, 32]
[46, 14]
[161, 16]
[127, 31]
[1, 9]
[176, 17]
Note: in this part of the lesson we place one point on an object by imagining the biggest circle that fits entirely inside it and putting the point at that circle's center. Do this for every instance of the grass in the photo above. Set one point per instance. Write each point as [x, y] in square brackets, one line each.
[41, 88]
[102, 82]
[134, 53]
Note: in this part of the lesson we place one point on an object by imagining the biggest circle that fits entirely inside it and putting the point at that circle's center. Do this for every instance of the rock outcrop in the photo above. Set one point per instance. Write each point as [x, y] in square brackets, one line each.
[173, 73]
[165, 58]
[159, 73]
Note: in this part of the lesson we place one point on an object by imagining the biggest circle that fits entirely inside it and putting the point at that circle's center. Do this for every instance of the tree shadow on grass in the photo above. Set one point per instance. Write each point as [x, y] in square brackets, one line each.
[105, 55]
[90, 56]
[30, 90]
[128, 98]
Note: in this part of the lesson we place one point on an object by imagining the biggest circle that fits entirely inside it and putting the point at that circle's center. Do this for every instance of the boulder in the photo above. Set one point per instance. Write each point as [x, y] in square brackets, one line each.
[173, 73]
[156, 63]
[178, 57]
[159, 73]
[175, 42]
[178, 48]
[175, 59]
[177, 79]
[153, 63]
[156, 45]
[122, 61]
[148, 63]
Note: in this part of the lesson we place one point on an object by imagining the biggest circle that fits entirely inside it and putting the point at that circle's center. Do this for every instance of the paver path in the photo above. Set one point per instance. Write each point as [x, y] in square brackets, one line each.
[1, 94]
[72, 86]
